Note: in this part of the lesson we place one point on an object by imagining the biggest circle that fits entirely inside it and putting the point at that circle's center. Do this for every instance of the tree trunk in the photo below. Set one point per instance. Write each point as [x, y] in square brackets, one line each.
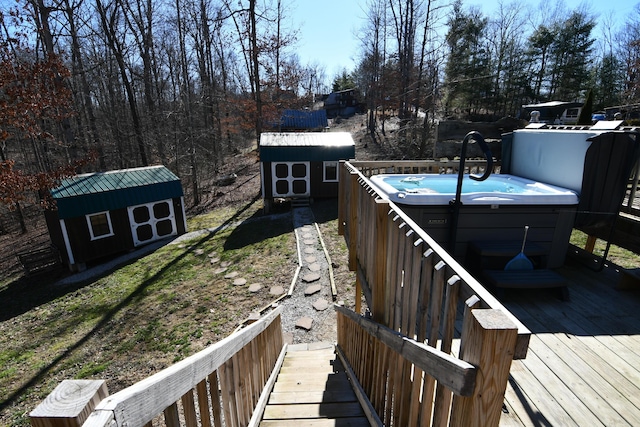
[186, 95]
[256, 67]
[108, 25]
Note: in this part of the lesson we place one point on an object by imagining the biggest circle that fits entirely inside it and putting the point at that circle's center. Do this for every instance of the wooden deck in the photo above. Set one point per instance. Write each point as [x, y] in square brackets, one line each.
[583, 364]
[582, 367]
[312, 389]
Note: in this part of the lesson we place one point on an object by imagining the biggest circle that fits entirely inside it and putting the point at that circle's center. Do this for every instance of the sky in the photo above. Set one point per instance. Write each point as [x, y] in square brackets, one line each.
[328, 28]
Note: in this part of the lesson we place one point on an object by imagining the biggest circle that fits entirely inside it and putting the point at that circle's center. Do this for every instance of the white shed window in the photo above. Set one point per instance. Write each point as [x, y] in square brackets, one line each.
[330, 171]
[99, 225]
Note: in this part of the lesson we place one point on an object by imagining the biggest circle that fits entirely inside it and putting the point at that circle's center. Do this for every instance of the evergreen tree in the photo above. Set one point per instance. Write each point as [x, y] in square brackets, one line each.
[539, 51]
[570, 56]
[608, 82]
[343, 81]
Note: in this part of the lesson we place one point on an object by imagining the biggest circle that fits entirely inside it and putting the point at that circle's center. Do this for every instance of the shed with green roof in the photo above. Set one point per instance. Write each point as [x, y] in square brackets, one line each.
[104, 213]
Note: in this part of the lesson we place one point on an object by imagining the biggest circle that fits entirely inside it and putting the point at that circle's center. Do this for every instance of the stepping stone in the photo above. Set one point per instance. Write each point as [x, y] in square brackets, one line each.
[276, 290]
[239, 282]
[321, 304]
[310, 259]
[314, 267]
[304, 323]
[287, 337]
[311, 277]
[313, 289]
[254, 287]
[309, 251]
[310, 242]
[307, 236]
[199, 251]
[214, 255]
[214, 260]
[220, 270]
[226, 264]
[231, 275]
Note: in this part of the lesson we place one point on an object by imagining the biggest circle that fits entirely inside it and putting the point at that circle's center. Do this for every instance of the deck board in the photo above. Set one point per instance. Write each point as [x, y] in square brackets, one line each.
[583, 364]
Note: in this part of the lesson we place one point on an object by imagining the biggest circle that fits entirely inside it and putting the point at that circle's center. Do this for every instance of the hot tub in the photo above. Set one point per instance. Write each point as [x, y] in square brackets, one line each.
[495, 209]
[433, 189]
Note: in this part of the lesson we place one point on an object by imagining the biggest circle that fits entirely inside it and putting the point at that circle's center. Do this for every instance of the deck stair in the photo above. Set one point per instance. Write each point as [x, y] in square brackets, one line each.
[313, 389]
[300, 202]
[487, 260]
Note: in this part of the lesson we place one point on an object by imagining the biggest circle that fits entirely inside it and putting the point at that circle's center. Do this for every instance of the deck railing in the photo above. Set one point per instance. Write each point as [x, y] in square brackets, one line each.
[410, 383]
[221, 385]
[415, 288]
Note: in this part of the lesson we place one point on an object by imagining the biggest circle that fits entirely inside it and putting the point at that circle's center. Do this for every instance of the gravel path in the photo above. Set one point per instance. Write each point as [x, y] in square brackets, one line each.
[308, 315]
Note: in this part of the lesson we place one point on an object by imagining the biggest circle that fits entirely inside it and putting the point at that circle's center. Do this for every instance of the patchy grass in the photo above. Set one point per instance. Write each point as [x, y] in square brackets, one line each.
[617, 255]
[146, 315]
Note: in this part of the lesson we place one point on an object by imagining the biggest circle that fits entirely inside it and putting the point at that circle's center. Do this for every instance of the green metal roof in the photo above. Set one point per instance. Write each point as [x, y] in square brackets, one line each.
[104, 191]
[306, 146]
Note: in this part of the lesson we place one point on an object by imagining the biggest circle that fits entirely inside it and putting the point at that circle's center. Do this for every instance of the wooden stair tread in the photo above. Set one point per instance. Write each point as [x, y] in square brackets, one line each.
[312, 389]
[339, 422]
[313, 410]
[321, 396]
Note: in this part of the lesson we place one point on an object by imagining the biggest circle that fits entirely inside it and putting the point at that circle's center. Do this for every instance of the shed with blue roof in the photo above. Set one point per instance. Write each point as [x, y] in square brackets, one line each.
[105, 213]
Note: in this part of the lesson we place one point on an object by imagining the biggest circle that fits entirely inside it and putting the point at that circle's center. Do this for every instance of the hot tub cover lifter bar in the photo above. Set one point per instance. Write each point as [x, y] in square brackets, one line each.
[455, 203]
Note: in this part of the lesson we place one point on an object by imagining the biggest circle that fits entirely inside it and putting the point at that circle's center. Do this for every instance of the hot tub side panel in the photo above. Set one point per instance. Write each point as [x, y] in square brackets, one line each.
[549, 226]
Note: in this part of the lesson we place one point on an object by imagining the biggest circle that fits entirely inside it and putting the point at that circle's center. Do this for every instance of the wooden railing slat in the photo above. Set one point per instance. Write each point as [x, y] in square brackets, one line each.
[171, 415]
[203, 403]
[189, 409]
[414, 288]
[424, 297]
[407, 304]
[437, 293]
[214, 392]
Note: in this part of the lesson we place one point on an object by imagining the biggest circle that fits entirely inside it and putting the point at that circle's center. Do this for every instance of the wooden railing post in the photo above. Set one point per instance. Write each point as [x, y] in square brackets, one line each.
[488, 342]
[69, 404]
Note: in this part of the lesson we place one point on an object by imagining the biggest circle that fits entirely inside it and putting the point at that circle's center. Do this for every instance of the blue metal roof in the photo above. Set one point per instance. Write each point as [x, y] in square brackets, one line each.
[104, 191]
[298, 119]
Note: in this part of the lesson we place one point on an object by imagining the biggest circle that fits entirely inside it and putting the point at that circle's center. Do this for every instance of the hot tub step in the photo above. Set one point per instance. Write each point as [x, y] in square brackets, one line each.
[494, 254]
[527, 279]
[508, 248]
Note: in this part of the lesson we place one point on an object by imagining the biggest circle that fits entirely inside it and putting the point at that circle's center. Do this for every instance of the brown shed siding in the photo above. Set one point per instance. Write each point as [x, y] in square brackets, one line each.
[317, 187]
[85, 250]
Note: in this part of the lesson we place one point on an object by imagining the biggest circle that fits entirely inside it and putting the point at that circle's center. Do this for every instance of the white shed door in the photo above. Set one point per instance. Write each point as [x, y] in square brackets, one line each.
[290, 179]
[152, 221]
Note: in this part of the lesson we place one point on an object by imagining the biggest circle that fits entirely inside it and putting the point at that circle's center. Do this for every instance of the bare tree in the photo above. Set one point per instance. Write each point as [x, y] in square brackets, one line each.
[110, 16]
